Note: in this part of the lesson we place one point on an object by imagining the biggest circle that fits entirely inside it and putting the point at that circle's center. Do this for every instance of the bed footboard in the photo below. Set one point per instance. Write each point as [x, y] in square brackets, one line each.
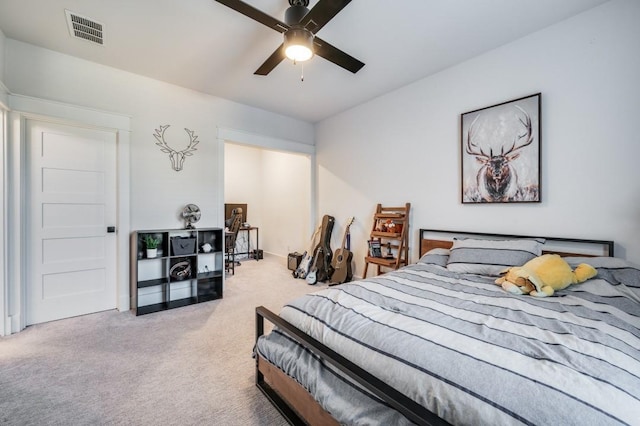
[285, 397]
[290, 398]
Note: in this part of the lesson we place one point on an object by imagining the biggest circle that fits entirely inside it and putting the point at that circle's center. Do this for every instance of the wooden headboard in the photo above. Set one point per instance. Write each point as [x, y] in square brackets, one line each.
[437, 238]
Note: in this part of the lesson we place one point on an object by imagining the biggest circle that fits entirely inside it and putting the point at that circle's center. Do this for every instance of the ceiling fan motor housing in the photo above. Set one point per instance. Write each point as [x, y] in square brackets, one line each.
[294, 14]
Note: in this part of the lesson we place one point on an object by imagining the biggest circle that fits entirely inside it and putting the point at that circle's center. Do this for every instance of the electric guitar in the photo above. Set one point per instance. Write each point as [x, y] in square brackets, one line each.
[321, 268]
[303, 268]
[341, 263]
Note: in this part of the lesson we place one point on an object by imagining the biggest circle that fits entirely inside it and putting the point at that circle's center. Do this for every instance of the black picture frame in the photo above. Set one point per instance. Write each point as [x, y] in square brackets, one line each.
[501, 153]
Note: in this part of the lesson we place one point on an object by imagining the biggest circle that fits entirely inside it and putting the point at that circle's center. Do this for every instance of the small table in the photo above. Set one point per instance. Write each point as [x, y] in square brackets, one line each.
[249, 252]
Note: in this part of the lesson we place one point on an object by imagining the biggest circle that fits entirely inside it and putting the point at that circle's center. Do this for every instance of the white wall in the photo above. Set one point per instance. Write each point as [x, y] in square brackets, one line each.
[3, 88]
[276, 186]
[158, 193]
[286, 202]
[243, 184]
[405, 145]
[4, 291]
[243, 179]
[2, 48]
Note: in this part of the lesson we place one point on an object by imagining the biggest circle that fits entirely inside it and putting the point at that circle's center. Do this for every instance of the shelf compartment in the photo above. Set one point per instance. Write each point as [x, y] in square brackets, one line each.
[208, 297]
[182, 302]
[148, 309]
[151, 283]
[183, 245]
[151, 269]
[153, 258]
[390, 216]
[380, 234]
[384, 261]
[162, 246]
[209, 237]
[209, 289]
[183, 268]
[209, 275]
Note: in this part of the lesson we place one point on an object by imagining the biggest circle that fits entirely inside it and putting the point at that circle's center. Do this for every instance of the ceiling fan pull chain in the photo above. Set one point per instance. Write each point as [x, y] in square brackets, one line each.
[302, 72]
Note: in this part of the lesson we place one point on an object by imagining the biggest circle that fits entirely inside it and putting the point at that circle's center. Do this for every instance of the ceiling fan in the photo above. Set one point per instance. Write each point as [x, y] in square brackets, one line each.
[299, 29]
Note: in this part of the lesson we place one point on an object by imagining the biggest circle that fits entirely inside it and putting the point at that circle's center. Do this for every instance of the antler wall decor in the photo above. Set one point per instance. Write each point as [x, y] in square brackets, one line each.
[176, 157]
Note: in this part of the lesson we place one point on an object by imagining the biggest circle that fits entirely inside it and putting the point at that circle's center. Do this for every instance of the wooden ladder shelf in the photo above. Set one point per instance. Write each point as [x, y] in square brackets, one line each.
[391, 229]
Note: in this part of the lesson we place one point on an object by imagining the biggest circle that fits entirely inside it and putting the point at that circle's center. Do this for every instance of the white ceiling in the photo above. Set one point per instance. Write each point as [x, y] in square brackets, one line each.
[205, 46]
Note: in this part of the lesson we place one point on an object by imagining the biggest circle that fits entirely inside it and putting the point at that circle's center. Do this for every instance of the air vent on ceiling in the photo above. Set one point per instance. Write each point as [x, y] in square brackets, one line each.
[85, 28]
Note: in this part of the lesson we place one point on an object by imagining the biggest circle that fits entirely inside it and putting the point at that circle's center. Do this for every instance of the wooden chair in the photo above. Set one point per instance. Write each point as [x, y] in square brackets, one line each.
[230, 240]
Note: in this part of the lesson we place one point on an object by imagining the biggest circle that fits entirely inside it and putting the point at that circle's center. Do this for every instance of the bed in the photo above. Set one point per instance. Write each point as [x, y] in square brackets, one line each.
[438, 342]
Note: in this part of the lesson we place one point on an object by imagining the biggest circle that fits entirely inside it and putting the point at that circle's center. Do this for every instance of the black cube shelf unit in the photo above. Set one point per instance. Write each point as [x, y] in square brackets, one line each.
[184, 271]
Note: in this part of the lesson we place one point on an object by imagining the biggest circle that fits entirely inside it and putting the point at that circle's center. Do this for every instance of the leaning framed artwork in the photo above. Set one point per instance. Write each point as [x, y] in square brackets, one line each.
[501, 152]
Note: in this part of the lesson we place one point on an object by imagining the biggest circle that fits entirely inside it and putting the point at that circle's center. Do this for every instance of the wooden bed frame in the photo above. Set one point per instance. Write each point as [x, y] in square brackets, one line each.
[298, 407]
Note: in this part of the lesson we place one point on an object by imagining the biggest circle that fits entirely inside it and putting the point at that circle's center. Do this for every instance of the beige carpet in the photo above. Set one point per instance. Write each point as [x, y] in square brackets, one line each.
[187, 366]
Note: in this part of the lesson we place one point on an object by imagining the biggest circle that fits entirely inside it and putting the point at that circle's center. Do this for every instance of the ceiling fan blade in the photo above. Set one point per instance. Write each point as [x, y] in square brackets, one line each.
[335, 55]
[255, 14]
[272, 61]
[322, 13]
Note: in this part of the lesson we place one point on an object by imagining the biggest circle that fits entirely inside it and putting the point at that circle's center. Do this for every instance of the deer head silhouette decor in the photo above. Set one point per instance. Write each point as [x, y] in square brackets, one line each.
[176, 157]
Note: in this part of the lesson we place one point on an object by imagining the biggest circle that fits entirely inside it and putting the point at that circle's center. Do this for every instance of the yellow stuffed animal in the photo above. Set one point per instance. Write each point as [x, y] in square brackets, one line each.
[542, 276]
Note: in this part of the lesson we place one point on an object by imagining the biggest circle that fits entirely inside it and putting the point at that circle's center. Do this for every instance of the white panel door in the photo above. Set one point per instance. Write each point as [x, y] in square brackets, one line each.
[71, 201]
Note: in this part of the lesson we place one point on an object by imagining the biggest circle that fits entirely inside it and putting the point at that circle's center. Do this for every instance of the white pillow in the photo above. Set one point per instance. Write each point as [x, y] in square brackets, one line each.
[491, 257]
[436, 256]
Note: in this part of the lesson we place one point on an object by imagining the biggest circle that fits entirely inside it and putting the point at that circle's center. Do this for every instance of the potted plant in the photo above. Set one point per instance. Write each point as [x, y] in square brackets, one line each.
[152, 245]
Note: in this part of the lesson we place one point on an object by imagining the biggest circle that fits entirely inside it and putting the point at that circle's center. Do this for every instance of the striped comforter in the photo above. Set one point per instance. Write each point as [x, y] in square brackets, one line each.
[472, 353]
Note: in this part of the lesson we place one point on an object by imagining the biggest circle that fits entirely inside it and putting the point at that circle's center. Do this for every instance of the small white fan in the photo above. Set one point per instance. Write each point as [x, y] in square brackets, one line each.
[190, 214]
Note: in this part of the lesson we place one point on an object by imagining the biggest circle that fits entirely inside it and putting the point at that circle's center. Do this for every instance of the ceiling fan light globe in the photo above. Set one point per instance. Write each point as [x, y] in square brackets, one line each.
[298, 53]
[298, 44]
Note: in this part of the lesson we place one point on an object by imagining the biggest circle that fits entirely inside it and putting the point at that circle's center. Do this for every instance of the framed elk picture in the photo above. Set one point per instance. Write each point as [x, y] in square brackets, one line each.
[500, 150]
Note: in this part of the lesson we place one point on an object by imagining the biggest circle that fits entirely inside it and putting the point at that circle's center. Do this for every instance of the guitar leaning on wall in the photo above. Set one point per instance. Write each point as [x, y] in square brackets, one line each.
[321, 268]
[307, 257]
[341, 263]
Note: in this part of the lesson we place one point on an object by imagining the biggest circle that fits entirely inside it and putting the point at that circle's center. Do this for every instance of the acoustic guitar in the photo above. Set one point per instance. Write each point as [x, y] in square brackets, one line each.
[342, 271]
[307, 257]
[321, 268]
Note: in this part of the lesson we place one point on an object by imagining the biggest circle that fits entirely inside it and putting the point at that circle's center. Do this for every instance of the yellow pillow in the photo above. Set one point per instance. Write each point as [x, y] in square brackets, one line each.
[543, 275]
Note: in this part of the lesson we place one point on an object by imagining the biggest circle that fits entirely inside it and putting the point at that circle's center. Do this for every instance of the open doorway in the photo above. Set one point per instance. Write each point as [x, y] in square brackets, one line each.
[276, 187]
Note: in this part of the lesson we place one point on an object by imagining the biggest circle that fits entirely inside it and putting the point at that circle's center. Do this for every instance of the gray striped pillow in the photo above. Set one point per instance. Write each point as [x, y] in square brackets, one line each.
[436, 256]
[491, 257]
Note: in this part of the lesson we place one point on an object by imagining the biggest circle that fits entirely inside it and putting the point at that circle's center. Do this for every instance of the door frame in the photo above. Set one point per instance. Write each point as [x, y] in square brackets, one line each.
[22, 108]
[266, 142]
[4, 111]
